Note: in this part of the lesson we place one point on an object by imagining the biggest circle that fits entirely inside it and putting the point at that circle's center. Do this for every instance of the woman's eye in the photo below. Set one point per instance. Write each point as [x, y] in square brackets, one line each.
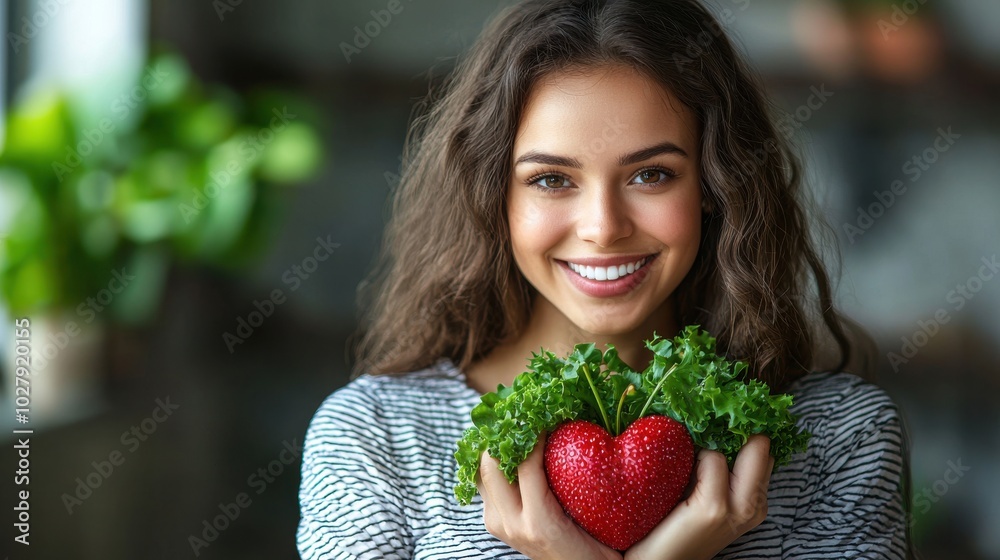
[551, 182]
[650, 176]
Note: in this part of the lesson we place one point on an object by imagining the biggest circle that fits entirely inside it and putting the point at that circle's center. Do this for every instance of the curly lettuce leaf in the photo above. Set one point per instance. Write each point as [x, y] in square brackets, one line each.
[507, 423]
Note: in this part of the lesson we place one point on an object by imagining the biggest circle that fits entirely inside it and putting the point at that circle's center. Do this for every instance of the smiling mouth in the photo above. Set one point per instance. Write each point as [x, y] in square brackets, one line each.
[609, 273]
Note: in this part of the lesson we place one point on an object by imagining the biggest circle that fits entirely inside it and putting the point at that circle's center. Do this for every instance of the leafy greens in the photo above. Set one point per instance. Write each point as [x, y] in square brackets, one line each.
[686, 381]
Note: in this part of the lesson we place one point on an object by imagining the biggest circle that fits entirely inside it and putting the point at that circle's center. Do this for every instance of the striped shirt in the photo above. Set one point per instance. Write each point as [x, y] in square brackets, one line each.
[378, 475]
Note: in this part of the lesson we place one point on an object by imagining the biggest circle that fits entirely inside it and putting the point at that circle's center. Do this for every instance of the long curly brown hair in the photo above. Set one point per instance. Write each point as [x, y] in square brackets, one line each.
[447, 284]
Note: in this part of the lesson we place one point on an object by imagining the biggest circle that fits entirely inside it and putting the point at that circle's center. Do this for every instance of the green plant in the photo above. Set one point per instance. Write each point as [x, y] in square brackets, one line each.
[175, 170]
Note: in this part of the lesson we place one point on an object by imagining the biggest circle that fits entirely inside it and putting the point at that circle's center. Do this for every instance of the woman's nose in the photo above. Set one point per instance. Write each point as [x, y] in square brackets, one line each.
[603, 217]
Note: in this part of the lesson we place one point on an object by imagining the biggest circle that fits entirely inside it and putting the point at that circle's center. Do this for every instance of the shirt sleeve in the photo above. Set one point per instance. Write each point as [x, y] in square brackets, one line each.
[351, 500]
[857, 511]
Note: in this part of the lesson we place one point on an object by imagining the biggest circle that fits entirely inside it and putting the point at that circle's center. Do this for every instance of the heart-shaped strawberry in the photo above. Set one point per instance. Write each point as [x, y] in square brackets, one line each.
[619, 488]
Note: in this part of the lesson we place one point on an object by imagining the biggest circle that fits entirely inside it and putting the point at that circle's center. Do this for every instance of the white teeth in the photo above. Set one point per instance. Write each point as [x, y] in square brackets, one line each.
[602, 274]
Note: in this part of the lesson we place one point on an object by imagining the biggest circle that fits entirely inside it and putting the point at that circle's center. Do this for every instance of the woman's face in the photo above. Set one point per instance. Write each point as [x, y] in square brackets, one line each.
[605, 177]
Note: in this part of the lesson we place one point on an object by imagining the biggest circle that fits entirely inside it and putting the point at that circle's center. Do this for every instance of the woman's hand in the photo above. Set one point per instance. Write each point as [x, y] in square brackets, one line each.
[527, 516]
[722, 506]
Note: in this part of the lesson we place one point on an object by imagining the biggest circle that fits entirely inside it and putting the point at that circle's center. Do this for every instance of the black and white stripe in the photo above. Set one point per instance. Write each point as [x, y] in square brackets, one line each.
[378, 475]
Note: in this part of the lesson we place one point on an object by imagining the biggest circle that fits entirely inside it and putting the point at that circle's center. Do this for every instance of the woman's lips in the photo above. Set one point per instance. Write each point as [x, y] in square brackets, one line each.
[609, 288]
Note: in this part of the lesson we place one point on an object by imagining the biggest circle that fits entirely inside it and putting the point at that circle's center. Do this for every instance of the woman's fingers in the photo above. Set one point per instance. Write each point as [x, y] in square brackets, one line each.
[753, 460]
[722, 506]
[503, 495]
[713, 477]
[531, 478]
[540, 504]
[527, 515]
[541, 510]
[753, 455]
[751, 475]
[491, 514]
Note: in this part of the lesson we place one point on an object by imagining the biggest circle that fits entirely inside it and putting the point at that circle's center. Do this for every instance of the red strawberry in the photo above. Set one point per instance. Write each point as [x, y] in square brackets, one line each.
[618, 489]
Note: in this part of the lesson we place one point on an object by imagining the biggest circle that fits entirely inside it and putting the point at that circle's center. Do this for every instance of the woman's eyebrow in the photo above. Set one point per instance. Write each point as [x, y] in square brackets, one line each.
[534, 156]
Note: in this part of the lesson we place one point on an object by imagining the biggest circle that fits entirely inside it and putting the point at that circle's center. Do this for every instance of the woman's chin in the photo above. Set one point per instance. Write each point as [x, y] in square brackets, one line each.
[605, 328]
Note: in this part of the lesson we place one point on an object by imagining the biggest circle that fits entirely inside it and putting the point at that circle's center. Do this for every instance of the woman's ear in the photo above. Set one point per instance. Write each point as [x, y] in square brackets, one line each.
[706, 206]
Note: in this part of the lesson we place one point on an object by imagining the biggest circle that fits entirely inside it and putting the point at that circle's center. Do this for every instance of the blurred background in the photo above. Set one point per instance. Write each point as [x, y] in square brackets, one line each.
[191, 191]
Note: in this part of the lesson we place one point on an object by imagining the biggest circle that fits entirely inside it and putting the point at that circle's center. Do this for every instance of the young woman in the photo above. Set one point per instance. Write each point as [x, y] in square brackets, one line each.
[597, 170]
